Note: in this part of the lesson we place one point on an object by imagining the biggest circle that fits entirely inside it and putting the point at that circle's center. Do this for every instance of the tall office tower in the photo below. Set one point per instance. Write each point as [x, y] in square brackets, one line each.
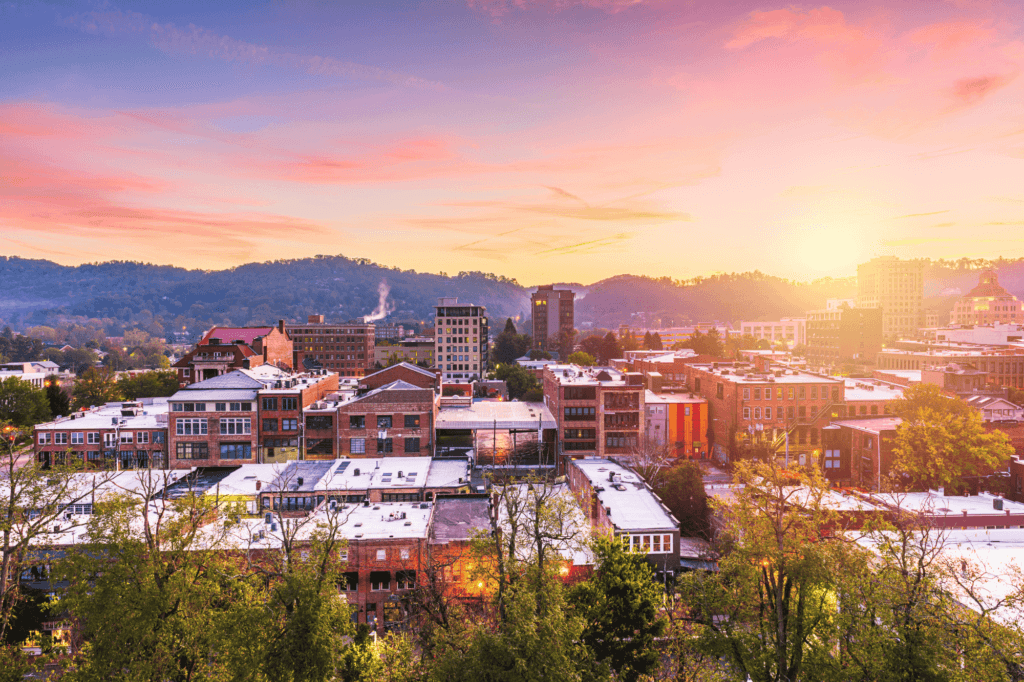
[460, 340]
[342, 347]
[553, 311]
[897, 287]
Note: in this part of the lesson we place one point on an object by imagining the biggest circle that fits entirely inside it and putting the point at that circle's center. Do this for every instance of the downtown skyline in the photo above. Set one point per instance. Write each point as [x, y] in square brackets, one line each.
[565, 141]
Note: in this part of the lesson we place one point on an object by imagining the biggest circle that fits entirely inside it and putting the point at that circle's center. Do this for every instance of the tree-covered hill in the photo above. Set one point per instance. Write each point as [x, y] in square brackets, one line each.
[160, 299]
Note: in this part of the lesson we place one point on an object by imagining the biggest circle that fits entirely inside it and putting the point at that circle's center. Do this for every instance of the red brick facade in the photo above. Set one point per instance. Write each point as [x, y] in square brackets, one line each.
[342, 347]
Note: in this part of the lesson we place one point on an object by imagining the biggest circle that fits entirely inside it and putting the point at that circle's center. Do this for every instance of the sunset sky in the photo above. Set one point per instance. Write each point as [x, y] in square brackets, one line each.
[560, 140]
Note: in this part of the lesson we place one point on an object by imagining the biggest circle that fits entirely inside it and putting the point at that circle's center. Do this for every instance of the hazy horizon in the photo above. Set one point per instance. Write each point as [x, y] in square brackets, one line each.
[586, 138]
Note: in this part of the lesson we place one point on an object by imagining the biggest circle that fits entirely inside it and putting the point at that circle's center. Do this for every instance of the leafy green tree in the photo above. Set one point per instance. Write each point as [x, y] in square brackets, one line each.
[22, 404]
[509, 346]
[942, 440]
[621, 606]
[60, 404]
[537, 354]
[93, 388]
[158, 384]
[539, 640]
[681, 488]
[518, 379]
[79, 360]
[609, 349]
[768, 609]
[582, 359]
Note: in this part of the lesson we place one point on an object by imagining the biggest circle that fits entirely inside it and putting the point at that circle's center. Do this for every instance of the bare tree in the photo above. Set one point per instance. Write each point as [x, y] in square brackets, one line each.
[36, 505]
[650, 459]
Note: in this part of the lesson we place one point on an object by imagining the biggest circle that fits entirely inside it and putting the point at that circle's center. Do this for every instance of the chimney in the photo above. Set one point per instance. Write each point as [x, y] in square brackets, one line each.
[316, 319]
[280, 326]
[259, 484]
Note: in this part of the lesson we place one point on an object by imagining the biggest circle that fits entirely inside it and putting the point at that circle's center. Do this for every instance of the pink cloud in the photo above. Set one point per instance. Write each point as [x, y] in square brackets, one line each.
[823, 24]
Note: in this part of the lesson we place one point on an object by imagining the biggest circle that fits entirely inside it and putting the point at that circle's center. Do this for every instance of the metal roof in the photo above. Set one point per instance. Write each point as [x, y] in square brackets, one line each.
[487, 414]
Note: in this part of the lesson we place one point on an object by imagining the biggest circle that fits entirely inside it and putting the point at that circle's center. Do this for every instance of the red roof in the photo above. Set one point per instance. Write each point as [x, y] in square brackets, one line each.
[988, 285]
[246, 335]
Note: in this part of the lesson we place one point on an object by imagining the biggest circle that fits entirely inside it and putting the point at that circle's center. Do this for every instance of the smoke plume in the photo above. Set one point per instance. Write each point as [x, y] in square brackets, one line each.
[384, 306]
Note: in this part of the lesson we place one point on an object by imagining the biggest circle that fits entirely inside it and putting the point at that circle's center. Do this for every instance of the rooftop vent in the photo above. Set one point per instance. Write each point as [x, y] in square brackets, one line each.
[300, 480]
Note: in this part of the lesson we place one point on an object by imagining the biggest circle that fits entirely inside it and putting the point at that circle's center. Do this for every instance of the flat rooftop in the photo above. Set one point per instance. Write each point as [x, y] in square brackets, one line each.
[747, 374]
[460, 518]
[873, 425]
[574, 375]
[935, 503]
[870, 390]
[633, 506]
[650, 397]
[490, 414]
[152, 416]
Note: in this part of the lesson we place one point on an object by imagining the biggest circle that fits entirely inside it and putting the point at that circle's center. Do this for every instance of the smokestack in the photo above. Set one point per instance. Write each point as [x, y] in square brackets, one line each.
[384, 307]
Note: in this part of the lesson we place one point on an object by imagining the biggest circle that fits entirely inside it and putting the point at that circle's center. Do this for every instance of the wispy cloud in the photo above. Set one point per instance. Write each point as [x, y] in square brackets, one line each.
[196, 40]
[918, 215]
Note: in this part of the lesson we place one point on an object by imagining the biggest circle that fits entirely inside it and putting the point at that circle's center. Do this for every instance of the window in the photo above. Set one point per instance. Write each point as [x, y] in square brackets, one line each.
[319, 422]
[44, 437]
[746, 413]
[60, 438]
[289, 424]
[192, 451]
[220, 407]
[746, 394]
[412, 445]
[93, 438]
[384, 445]
[270, 403]
[814, 393]
[384, 421]
[649, 544]
[241, 407]
[357, 446]
[382, 555]
[289, 403]
[757, 413]
[235, 451]
[720, 391]
[686, 410]
[142, 437]
[768, 413]
[127, 437]
[832, 459]
[186, 372]
[270, 425]
[757, 394]
[403, 553]
[379, 580]
[235, 426]
[406, 579]
[412, 421]
[191, 427]
[158, 437]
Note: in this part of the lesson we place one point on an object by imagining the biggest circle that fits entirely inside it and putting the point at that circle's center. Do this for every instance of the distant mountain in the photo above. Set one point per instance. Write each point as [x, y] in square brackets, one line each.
[161, 299]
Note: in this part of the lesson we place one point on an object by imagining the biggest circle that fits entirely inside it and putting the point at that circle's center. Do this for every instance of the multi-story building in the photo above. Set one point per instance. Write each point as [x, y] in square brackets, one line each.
[345, 348]
[859, 451]
[125, 435]
[391, 421]
[461, 341]
[553, 313]
[411, 374]
[843, 334]
[217, 422]
[897, 287]
[225, 349]
[388, 332]
[36, 373]
[616, 499]
[987, 303]
[868, 398]
[789, 330]
[1004, 365]
[600, 412]
[281, 405]
[414, 350]
[995, 334]
[679, 421]
[765, 408]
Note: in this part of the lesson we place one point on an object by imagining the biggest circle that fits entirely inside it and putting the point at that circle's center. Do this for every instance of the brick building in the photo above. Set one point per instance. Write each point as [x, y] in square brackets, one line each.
[129, 435]
[403, 371]
[414, 350]
[751, 408]
[553, 313]
[345, 348]
[394, 420]
[600, 412]
[462, 340]
[616, 499]
[217, 422]
[671, 366]
[857, 452]
[225, 349]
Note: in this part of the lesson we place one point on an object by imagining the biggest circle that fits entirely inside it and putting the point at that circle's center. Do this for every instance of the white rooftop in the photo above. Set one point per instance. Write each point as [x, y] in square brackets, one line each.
[633, 506]
[152, 416]
[871, 390]
[936, 503]
[487, 414]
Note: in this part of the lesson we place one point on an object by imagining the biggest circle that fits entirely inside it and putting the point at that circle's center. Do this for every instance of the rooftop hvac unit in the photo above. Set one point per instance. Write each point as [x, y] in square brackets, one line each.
[355, 472]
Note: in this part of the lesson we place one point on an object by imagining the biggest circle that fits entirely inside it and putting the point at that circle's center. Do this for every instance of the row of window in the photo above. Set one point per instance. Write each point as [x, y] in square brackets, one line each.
[580, 413]
[202, 451]
[648, 544]
[384, 421]
[795, 392]
[217, 407]
[93, 437]
[229, 426]
[620, 441]
[286, 403]
[286, 424]
[357, 446]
